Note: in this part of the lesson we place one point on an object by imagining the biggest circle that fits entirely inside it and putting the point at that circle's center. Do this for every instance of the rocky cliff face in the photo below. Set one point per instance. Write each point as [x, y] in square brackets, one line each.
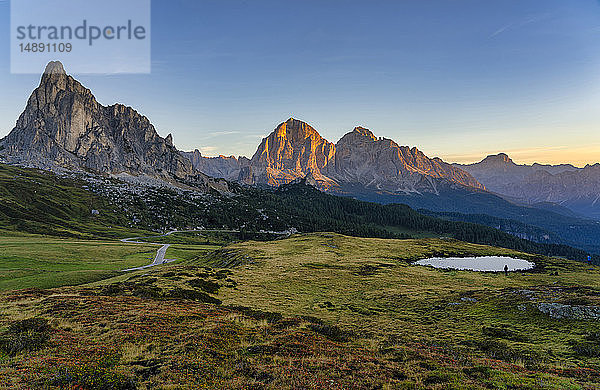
[293, 150]
[575, 188]
[296, 150]
[228, 168]
[64, 126]
[382, 164]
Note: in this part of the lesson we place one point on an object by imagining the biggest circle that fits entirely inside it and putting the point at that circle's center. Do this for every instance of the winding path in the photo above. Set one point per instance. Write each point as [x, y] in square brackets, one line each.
[162, 251]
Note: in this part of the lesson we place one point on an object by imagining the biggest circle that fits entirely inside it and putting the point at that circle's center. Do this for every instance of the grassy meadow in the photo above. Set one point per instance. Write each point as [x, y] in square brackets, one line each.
[312, 311]
[370, 287]
[44, 262]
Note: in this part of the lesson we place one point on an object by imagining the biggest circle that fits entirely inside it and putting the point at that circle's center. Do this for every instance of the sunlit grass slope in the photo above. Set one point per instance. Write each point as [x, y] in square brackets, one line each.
[370, 287]
[313, 311]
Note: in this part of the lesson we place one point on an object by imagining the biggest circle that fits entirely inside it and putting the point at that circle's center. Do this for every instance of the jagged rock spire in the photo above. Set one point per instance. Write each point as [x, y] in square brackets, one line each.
[64, 126]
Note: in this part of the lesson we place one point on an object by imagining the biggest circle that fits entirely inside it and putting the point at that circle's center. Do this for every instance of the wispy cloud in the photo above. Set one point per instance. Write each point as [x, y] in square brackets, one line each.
[259, 136]
[222, 133]
[226, 133]
[501, 30]
[521, 23]
[208, 149]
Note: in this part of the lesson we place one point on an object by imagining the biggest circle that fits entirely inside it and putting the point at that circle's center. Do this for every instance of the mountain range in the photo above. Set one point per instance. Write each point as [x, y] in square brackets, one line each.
[296, 150]
[578, 189]
[363, 166]
[378, 169]
[64, 127]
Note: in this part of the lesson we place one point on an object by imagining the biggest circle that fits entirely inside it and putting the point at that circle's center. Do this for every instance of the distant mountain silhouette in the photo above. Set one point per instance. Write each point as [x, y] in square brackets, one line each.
[575, 188]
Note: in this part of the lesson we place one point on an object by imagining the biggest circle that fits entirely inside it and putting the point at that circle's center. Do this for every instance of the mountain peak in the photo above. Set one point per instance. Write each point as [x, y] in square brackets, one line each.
[364, 132]
[296, 129]
[293, 149]
[54, 74]
[498, 158]
[64, 126]
[55, 67]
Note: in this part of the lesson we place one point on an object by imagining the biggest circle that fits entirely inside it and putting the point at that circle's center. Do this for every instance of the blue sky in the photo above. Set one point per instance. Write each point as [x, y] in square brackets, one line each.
[458, 79]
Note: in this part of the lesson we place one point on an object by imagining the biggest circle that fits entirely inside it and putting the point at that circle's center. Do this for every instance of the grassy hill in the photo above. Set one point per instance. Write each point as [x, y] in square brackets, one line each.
[313, 311]
[370, 286]
[39, 202]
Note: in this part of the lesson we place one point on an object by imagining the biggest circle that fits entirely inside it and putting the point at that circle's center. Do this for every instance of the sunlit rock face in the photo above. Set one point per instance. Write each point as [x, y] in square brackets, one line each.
[296, 150]
[383, 164]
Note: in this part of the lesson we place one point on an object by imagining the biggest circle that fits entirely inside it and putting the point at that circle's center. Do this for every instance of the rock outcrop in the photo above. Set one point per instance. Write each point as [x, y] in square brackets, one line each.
[559, 311]
[381, 163]
[229, 168]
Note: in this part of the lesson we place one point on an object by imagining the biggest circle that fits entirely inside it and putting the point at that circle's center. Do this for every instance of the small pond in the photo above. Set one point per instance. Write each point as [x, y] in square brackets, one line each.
[487, 263]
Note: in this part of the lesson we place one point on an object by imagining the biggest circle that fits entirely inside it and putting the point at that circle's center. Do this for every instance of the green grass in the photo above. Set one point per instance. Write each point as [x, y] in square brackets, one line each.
[28, 260]
[219, 238]
[36, 261]
[369, 287]
[313, 311]
[189, 253]
[40, 202]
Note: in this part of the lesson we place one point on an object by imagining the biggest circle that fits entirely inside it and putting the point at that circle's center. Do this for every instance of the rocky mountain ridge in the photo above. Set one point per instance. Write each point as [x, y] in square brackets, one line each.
[226, 167]
[575, 188]
[296, 150]
[64, 126]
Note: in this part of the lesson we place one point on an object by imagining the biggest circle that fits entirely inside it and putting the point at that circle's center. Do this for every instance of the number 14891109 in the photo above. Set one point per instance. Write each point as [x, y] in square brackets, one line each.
[36, 47]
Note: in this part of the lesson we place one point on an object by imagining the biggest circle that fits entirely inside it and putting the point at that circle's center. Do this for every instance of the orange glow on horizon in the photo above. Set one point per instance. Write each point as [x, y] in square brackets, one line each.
[577, 156]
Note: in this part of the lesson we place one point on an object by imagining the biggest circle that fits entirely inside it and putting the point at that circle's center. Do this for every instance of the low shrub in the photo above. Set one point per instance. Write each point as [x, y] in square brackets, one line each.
[586, 348]
[26, 335]
[205, 285]
[269, 316]
[503, 332]
[590, 347]
[478, 372]
[193, 295]
[91, 377]
[332, 332]
[499, 349]
[438, 377]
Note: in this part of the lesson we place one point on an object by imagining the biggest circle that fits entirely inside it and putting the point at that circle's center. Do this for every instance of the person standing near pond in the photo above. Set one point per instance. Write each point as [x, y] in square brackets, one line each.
[506, 270]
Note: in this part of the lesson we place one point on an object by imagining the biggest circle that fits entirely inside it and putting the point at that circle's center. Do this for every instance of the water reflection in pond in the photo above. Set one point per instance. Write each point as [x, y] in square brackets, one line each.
[487, 263]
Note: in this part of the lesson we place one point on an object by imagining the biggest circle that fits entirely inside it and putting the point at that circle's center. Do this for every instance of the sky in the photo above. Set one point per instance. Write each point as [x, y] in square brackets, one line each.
[458, 79]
